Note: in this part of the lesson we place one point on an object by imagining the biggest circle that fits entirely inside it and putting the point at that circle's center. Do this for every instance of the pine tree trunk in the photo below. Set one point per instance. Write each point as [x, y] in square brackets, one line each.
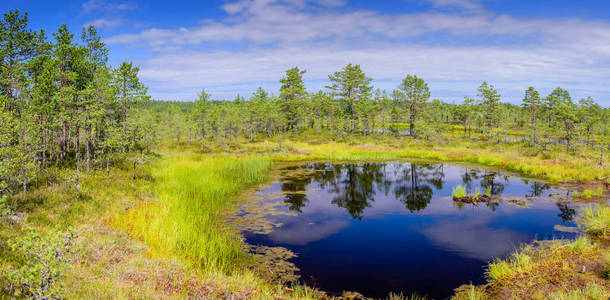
[88, 154]
[412, 119]
[124, 107]
[25, 182]
[63, 141]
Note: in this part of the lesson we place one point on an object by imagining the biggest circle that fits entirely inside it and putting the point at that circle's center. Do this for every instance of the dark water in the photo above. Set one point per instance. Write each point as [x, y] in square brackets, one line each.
[377, 228]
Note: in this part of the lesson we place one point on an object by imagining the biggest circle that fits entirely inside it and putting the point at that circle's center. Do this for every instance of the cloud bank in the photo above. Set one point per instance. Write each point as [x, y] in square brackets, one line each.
[454, 45]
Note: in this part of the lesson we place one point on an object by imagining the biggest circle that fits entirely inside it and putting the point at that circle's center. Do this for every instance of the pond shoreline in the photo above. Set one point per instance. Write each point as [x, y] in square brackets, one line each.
[283, 164]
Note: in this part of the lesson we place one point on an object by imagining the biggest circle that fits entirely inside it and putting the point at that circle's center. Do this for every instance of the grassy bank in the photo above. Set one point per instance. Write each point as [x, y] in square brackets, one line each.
[158, 236]
[557, 269]
[186, 220]
[554, 166]
[193, 194]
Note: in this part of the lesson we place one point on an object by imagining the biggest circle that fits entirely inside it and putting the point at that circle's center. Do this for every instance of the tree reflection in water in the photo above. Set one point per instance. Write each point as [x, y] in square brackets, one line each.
[293, 185]
[490, 181]
[566, 212]
[412, 187]
[356, 185]
[536, 188]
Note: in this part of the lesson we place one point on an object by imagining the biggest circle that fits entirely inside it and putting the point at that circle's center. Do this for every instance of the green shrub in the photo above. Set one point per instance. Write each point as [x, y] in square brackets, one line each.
[45, 260]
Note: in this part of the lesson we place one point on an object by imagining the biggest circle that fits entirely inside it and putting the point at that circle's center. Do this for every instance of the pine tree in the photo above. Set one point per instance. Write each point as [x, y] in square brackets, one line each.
[131, 90]
[489, 100]
[533, 104]
[564, 112]
[292, 95]
[415, 93]
[17, 46]
[200, 110]
[350, 85]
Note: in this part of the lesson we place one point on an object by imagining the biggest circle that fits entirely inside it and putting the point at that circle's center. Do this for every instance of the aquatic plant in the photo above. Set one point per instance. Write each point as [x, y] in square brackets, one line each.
[458, 192]
[477, 193]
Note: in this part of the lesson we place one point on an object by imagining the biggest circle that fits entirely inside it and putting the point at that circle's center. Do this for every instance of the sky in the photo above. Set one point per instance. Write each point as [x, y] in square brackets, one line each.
[230, 47]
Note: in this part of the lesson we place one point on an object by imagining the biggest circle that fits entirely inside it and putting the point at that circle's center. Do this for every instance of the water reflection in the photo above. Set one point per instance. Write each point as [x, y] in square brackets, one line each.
[381, 227]
[567, 213]
[355, 186]
[536, 188]
[466, 238]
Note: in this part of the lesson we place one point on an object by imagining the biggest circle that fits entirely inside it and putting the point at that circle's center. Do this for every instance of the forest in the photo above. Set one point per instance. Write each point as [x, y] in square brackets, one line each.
[93, 171]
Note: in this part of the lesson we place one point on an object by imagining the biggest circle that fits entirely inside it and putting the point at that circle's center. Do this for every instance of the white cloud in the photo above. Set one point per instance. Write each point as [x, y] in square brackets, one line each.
[105, 23]
[290, 21]
[104, 6]
[187, 70]
[469, 5]
[322, 36]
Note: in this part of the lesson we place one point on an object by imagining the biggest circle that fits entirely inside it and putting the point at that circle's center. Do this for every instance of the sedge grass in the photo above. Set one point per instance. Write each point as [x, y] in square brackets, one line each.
[596, 219]
[193, 195]
[592, 291]
[458, 192]
[590, 193]
[553, 267]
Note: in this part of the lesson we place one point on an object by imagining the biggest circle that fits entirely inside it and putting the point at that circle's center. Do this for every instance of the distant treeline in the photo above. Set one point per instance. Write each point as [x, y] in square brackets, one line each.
[349, 105]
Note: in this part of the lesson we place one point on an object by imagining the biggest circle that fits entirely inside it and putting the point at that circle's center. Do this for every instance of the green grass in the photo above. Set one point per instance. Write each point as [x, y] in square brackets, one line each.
[401, 296]
[518, 262]
[470, 292]
[458, 192]
[596, 220]
[592, 291]
[590, 194]
[555, 166]
[193, 195]
[566, 270]
[522, 262]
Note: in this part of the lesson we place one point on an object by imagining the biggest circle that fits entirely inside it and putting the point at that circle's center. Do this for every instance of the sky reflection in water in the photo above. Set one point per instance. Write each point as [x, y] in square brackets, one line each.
[377, 228]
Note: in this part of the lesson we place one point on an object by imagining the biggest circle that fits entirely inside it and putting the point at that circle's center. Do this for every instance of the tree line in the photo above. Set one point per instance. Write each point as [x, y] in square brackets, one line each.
[61, 103]
[350, 105]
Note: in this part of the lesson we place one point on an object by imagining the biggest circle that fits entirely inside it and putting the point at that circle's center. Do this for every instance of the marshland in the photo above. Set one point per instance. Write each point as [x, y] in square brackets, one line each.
[346, 192]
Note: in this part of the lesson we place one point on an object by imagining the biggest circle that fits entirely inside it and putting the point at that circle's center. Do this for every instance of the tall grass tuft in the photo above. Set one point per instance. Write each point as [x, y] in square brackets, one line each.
[589, 194]
[517, 262]
[458, 192]
[592, 291]
[193, 196]
[596, 219]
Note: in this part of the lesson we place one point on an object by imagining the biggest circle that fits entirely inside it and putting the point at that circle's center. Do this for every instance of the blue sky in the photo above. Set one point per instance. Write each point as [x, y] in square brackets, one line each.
[234, 46]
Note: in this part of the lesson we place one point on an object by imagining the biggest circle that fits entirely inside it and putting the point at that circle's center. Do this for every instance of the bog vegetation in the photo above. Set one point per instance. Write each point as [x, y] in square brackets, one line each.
[70, 121]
